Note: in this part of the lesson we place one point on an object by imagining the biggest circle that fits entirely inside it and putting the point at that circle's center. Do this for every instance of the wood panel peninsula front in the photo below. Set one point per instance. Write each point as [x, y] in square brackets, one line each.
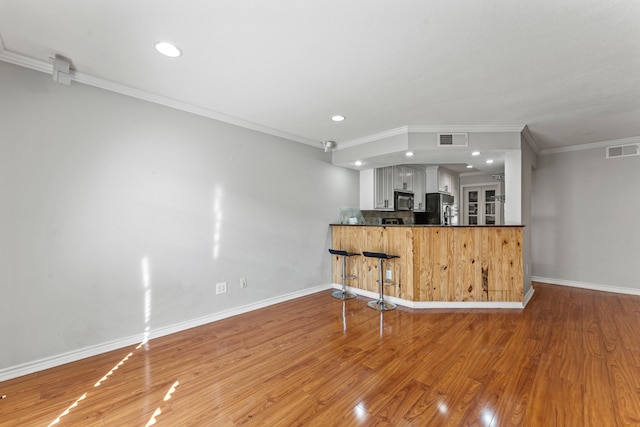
[437, 263]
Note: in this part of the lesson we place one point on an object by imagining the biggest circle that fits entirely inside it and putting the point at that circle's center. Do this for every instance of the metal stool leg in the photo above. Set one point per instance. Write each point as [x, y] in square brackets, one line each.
[381, 304]
[343, 294]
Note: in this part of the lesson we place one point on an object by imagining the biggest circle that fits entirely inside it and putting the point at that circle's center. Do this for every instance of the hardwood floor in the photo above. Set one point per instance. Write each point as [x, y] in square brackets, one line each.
[571, 358]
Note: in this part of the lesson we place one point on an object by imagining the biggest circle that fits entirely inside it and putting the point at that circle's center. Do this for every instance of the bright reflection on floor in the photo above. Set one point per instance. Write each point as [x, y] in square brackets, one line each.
[113, 369]
[217, 221]
[361, 412]
[344, 317]
[171, 391]
[443, 408]
[73, 405]
[487, 416]
[97, 384]
[158, 410]
[146, 283]
[152, 420]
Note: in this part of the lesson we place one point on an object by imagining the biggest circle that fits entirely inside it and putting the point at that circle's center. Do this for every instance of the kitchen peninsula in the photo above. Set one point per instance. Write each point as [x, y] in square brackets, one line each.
[436, 263]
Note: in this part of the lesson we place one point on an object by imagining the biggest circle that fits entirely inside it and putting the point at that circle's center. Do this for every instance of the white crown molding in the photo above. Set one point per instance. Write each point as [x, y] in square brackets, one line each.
[465, 128]
[436, 304]
[526, 134]
[24, 61]
[45, 67]
[375, 137]
[83, 353]
[601, 144]
[584, 285]
[472, 174]
[429, 129]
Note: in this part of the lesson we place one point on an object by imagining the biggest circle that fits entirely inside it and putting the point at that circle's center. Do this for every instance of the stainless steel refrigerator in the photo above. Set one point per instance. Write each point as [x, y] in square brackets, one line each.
[440, 209]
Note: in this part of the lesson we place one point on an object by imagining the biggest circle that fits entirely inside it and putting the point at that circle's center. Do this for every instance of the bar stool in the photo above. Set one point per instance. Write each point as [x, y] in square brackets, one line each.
[381, 304]
[343, 294]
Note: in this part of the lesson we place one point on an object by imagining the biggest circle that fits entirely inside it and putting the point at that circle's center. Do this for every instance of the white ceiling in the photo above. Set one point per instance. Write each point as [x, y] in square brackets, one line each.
[569, 69]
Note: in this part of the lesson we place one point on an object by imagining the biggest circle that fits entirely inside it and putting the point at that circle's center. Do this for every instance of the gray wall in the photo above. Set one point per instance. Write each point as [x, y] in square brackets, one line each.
[585, 219]
[117, 215]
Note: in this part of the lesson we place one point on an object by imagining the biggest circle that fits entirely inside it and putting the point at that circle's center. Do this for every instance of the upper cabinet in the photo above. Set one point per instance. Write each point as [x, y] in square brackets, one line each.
[376, 189]
[455, 188]
[383, 188]
[419, 197]
[440, 180]
[403, 178]
[377, 186]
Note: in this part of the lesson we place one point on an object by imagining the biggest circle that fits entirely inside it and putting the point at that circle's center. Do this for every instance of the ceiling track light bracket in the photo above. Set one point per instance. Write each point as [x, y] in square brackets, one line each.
[61, 70]
[329, 145]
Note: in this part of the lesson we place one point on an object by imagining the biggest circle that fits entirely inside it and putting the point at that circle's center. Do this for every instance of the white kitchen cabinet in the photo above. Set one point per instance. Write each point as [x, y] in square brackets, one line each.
[439, 180]
[444, 181]
[455, 188]
[403, 178]
[383, 188]
[419, 197]
[376, 189]
[432, 179]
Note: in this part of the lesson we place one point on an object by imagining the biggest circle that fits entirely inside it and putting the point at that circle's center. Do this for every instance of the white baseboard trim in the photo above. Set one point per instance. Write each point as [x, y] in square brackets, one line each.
[83, 353]
[528, 296]
[436, 304]
[584, 285]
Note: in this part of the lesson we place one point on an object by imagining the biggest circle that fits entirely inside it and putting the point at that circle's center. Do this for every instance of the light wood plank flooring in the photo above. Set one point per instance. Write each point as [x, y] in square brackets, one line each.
[571, 358]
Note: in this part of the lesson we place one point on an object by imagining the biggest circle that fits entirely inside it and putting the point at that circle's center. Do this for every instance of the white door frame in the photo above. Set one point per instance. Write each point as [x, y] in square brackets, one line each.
[499, 206]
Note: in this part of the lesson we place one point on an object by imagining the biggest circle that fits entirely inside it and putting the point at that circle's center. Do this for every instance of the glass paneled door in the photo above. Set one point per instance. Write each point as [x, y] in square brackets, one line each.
[481, 206]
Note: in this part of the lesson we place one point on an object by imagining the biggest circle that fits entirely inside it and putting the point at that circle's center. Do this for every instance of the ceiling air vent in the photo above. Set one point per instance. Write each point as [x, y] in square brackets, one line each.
[623, 151]
[453, 140]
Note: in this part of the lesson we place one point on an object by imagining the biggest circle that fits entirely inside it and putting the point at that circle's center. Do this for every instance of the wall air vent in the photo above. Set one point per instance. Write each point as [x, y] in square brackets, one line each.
[453, 140]
[623, 151]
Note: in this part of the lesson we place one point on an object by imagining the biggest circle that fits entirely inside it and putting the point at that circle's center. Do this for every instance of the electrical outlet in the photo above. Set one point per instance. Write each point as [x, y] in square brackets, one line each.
[243, 282]
[221, 288]
[389, 277]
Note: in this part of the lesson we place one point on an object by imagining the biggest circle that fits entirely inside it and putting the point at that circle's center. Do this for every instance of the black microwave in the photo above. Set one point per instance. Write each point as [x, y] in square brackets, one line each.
[403, 201]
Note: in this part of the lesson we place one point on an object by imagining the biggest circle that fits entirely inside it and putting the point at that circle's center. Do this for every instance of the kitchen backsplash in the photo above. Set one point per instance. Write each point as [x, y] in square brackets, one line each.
[350, 216]
[356, 216]
[375, 217]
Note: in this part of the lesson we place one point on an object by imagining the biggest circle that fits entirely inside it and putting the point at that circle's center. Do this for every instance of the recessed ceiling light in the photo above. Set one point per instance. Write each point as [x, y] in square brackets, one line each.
[489, 161]
[475, 153]
[409, 154]
[358, 163]
[337, 118]
[168, 49]
[469, 167]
